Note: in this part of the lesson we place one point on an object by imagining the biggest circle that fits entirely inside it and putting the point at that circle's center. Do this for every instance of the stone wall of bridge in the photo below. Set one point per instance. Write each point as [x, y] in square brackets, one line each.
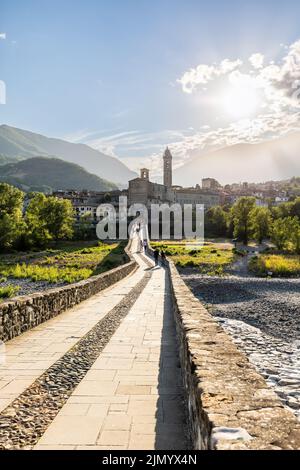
[229, 404]
[25, 312]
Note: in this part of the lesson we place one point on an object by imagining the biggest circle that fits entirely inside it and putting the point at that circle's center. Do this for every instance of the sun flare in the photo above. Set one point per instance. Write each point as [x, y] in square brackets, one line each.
[240, 101]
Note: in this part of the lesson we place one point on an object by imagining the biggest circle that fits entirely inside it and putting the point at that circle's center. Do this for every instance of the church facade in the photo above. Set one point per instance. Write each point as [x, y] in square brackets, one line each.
[142, 191]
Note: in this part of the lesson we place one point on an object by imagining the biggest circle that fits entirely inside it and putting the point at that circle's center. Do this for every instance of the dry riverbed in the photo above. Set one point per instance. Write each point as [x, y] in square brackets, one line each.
[263, 318]
[27, 287]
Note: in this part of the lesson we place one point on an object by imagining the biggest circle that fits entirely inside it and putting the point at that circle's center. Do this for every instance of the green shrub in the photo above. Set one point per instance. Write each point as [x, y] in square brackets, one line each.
[67, 263]
[210, 259]
[238, 252]
[45, 273]
[278, 265]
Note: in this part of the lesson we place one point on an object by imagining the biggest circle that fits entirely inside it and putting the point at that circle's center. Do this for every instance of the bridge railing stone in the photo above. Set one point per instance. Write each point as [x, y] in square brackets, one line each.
[230, 406]
[25, 312]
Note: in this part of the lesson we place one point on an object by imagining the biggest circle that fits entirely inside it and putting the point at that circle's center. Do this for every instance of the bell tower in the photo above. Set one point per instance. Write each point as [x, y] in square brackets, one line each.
[168, 168]
[144, 174]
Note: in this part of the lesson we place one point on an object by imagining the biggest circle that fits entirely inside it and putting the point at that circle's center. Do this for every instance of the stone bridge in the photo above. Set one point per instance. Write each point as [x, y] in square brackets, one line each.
[130, 359]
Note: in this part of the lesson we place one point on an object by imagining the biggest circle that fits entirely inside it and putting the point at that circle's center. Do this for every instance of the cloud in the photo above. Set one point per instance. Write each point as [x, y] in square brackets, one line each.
[257, 60]
[287, 78]
[78, 136]
[203, 74]
[2, 35]
[279, 82]
[276, 83]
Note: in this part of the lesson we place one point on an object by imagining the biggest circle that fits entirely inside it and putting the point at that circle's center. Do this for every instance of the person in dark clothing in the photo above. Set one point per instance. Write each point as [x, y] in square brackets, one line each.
[156, 255]
[163, 257]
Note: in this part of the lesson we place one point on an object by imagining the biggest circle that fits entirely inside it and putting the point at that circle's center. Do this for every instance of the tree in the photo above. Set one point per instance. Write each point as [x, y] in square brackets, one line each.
[280, 233]
[107, 197]
[281, 211]
[295, 208]
[84, 229]
[294, 230]
[59, 217]
[241, 211]
[11, 221]
[286, 231]
[216, 222]
[37, 233]
[260, 219]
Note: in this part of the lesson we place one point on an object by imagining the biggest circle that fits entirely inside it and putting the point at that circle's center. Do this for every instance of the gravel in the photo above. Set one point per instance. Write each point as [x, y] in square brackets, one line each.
[272, 305]
[262, 316]
[28, 287]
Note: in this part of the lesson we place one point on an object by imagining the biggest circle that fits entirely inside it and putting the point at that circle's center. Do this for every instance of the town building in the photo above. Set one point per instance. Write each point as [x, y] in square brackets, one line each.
[86, 202]
[210, 183]
[196, 196]
[143, 191]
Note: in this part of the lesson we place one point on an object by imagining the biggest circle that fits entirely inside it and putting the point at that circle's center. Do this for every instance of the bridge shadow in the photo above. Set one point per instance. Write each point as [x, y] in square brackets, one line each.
[171, 429]
[116, 257]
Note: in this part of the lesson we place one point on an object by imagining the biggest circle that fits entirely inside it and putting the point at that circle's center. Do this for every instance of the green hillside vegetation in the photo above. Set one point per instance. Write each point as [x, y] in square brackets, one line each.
[5, 160]
[20, 144]
[47, 174]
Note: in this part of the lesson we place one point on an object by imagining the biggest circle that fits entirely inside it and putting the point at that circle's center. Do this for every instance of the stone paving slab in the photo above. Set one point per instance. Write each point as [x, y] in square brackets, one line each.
[132, 397]
[32, 353]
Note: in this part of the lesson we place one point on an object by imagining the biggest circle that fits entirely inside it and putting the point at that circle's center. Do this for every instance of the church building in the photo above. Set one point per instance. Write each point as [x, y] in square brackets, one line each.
[142, 190]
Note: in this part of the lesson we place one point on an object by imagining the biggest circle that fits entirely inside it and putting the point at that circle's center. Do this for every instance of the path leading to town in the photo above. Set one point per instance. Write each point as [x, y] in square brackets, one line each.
[103, 375]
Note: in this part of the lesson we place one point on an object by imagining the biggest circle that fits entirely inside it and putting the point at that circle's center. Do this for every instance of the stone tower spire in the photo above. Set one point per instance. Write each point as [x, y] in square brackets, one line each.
[168, 168]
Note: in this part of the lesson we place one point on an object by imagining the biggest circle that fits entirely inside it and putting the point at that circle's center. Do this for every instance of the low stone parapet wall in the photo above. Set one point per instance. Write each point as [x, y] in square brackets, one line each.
[230, 406]
[25, 312]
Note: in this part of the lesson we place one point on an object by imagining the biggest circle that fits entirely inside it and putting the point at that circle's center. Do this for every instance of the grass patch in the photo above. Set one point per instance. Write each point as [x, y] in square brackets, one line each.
[65, 263]
[278, 265]
[209, 259]
[45, 273]
[8, 291]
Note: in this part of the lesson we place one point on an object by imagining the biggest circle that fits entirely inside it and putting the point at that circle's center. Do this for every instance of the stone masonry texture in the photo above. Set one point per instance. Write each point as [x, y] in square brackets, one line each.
[230, 406]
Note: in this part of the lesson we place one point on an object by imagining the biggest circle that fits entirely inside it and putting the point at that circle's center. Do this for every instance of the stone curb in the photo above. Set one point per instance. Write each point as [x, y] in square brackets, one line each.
[230, 406]
[25, 312]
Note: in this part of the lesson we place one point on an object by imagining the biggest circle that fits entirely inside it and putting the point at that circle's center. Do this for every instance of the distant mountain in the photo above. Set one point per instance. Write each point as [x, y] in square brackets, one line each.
[17, 143]
[271, 160]
[5, 160]
[47, 174]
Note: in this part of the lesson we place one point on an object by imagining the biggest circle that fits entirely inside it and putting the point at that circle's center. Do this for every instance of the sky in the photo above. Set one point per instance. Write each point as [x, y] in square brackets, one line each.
[129, 77]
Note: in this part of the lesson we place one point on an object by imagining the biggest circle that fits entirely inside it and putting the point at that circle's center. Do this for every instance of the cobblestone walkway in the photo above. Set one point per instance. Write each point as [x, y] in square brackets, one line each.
[29, 355]
[131, 397]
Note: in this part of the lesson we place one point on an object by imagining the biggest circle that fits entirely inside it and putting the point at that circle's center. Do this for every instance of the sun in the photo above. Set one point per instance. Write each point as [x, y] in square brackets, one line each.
[240, 101]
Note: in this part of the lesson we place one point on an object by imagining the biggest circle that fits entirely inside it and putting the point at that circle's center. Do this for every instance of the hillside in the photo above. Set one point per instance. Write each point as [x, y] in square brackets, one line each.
[18, 143]
[276, 159]
[5, 160]
[46, 174]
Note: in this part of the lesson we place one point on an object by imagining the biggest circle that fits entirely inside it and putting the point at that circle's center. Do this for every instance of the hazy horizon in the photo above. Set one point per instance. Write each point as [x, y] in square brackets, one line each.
[129, 78]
